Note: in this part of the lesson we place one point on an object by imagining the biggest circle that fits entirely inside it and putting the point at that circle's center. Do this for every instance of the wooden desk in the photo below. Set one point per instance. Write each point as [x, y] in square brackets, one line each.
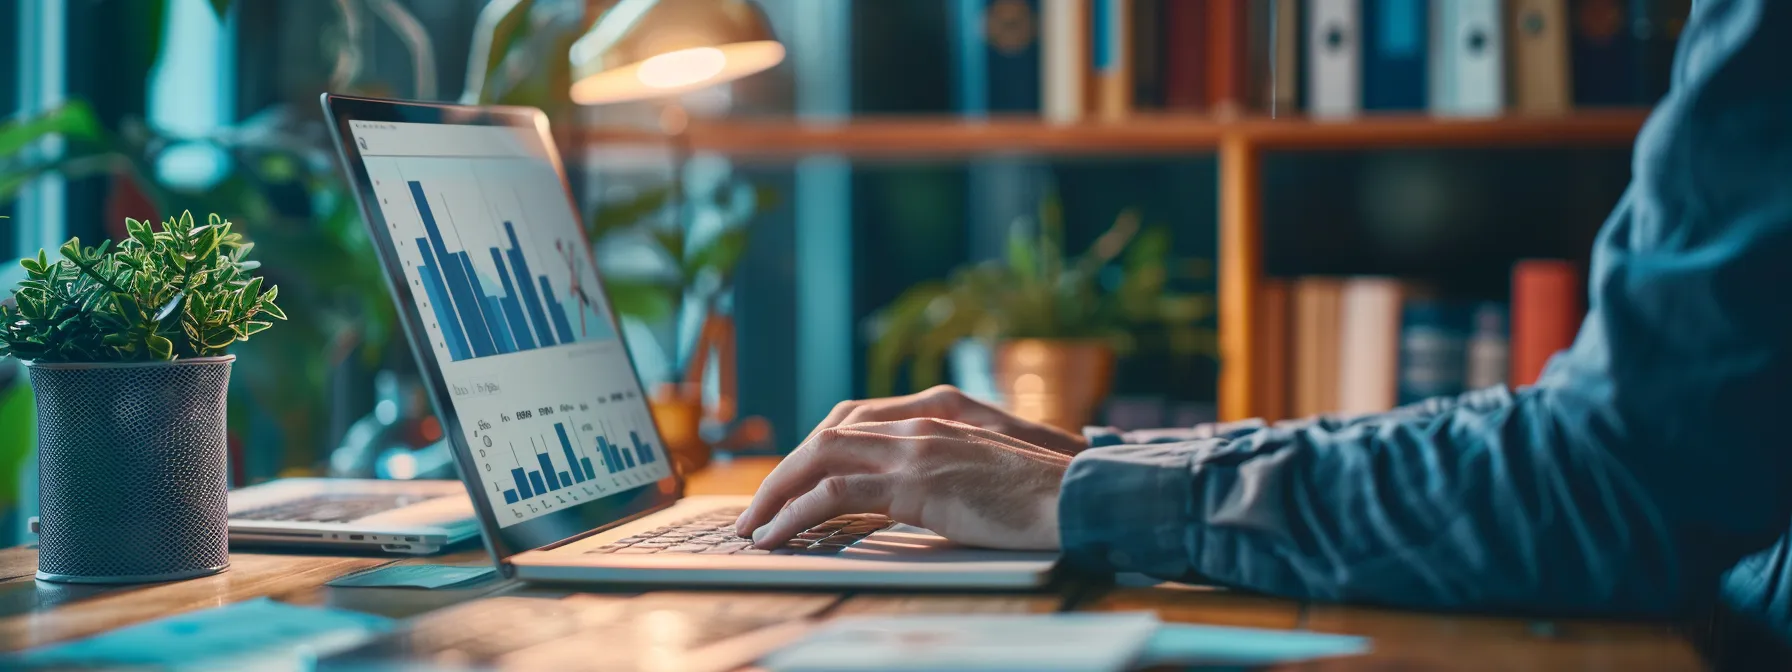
[34, 613]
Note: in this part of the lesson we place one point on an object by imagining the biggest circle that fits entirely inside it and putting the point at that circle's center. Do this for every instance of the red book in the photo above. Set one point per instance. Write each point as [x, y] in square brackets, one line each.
[1227, 63]
[1546, 314]
[1185, 54]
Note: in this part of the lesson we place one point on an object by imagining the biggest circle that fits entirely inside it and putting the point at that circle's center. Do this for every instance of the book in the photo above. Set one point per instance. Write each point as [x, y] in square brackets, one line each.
[1488, 359]
[1603, 52]
[1271, 349]
[1148, 48]
[1468, 75]
[1315, 340]
[1396, 48]
[1541, 81]
[995, 56]
[1227, 57]
[1185, 54]
[1285, 67]
[1546, 315]
[1433, 358]
[1369, 316]
[1111, 58]
[1334, 58]
[1656, 27]
[1064, 58]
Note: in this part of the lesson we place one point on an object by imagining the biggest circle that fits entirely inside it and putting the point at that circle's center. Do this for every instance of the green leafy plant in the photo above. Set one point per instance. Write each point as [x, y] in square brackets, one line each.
[178, 292]
[1036, 292]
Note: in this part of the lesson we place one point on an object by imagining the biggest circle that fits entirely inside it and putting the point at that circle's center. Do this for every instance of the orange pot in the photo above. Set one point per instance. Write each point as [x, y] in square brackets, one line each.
[1056, 382]
[678, 412]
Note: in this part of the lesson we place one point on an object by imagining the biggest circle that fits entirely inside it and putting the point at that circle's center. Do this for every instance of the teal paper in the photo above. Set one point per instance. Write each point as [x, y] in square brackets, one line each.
[259, 634]
[1191, 644]
[413, 576]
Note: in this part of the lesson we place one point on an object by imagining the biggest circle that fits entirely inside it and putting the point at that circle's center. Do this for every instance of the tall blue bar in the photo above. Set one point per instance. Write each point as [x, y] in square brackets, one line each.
[560, 323]
[611, 463]
[509, 496]
[526, 288]
[513, 309]
[547, 471]
[438, 302]
[589, 472]
[460, 287]
[522, 483]
[642, 448]
[494, 316]
[628, 459]
[572, 458]
[535, 478]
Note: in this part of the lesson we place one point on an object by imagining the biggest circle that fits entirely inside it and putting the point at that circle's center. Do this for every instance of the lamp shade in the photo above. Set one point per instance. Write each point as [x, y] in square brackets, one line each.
[652, 48]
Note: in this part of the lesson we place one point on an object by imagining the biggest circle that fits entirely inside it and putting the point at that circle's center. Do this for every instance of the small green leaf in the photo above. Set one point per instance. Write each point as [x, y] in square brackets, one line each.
[160, 348]
[254, 327]
[269, 309]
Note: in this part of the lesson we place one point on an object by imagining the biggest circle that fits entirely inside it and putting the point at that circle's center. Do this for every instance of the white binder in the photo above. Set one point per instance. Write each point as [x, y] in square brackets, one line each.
[1468, 69]
[1064, 52]
[1334, 58]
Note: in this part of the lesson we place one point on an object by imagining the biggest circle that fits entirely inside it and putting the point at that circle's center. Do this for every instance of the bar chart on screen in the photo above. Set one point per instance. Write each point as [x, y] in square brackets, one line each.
[548, 456]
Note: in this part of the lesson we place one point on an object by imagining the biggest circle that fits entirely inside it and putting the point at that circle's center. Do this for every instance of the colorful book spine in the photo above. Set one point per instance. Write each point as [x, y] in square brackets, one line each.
[1656, 27]
[1538, 33]
[1147, 54]
[1185, 54]
[1227, 61]
[1468, 58]
[1272, 349]
[1489, 355]
[1546, 314]
[1064, 44]
[1604, 51]
[1433, 362]
[996, 56]
[1368, 345]
[1111, 58]
[1395, 49]
[1334, 57]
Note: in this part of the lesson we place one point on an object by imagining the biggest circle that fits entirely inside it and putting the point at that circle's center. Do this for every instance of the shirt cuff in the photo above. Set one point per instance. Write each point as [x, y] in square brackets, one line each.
[1128, 508]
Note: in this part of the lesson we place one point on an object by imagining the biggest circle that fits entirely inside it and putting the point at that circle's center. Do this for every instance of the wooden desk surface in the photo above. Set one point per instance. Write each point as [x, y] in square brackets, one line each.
[34, 613]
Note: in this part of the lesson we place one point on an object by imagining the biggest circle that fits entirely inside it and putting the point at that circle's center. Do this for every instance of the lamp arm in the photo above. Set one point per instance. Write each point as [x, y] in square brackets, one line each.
[416, 40]
[479, 55]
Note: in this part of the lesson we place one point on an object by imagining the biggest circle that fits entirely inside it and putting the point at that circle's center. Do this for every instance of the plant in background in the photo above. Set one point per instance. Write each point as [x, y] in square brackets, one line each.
[181, 292]
[1035, 292]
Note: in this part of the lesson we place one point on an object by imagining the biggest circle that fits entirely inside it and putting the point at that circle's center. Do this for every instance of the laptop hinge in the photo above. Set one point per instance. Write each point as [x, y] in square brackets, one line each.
[606, 528]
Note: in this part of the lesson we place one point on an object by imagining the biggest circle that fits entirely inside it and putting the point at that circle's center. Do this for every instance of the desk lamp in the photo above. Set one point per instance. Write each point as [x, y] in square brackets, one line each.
[642, 49]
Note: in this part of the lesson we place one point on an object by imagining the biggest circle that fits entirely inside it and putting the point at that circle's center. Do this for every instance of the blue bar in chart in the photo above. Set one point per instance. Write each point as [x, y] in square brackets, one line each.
[535, 480]
[561, 324]
[547, 471]
[572, 458]
[454, 272]
[565, 479]
[641, 448]
[522, 484]
[586, 463]
[520, 267]
[611, 462]
[509, 496]
[512, 308]
[455, 339]
[629, 459]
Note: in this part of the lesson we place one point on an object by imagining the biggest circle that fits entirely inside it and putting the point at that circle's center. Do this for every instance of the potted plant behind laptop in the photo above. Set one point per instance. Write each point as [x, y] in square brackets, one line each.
[1054, 327]
[125, 346]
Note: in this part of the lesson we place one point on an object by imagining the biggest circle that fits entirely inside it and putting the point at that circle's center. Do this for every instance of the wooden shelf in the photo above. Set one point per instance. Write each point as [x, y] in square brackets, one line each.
[947, 137]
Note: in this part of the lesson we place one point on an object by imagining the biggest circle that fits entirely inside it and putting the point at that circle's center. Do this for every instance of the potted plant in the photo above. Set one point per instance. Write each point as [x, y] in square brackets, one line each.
[1054, 327]
[126, 350]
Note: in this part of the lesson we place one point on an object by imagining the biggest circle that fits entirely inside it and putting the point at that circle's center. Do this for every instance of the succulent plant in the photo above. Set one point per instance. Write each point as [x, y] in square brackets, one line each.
[177, 292]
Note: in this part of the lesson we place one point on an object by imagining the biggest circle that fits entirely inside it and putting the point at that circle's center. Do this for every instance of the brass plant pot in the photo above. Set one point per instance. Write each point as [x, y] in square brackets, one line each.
[1055, 382]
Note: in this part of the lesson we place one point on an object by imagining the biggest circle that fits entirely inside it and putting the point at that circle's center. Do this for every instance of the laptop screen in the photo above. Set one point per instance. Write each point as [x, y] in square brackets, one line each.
[504, 300]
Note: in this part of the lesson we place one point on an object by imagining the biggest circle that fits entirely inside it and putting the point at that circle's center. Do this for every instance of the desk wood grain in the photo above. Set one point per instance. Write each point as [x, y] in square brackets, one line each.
[34, 613]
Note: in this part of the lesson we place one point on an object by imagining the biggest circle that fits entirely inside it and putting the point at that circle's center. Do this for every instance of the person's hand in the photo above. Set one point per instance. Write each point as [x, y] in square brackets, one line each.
[971, 485]
[947, 403]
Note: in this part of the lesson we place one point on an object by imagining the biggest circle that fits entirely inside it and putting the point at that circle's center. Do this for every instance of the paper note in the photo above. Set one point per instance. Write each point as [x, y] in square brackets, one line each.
[1197, 644]
[1045, 642]
[413, 576]
[259, 634]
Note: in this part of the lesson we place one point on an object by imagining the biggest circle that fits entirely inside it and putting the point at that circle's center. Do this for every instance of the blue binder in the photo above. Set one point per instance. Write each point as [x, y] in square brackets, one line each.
[1395, 47]
[995, 56]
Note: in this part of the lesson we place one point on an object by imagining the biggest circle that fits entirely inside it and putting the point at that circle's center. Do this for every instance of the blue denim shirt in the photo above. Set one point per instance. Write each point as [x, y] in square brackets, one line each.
[1648, 471]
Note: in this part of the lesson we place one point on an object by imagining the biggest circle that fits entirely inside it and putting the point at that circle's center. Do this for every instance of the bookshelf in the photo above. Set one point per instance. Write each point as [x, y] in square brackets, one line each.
[1239, 144]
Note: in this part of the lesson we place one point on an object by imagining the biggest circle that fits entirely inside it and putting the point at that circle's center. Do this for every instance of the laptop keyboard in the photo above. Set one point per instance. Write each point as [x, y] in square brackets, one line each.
[340, 507]
[713, 534]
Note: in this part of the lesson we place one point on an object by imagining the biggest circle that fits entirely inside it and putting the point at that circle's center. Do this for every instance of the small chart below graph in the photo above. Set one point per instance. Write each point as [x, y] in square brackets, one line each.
[539, 459]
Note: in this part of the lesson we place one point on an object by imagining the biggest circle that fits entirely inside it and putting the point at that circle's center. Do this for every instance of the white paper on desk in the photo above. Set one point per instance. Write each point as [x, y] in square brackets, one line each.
[258, 634]
[1044, 642]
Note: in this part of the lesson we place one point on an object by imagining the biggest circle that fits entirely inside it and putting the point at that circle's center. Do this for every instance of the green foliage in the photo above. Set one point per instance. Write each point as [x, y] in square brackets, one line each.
[182, 291]
[1035, 292]
[685, 264]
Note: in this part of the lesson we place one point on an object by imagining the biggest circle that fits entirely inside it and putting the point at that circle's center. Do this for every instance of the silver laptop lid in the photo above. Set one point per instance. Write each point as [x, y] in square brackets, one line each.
[498, 292]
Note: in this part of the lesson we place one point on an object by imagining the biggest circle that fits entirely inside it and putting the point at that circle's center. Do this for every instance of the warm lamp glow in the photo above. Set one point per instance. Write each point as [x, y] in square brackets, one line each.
[684, 67]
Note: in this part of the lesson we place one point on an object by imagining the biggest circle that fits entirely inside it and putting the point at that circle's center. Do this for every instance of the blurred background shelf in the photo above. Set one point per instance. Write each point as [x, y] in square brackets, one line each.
[948, 137]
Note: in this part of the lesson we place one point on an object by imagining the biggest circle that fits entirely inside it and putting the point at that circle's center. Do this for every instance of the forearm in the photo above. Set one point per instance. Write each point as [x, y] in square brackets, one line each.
[1484, 506]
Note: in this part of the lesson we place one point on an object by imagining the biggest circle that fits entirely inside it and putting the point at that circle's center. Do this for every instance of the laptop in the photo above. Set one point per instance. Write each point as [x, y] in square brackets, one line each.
[498, 292]
[409, 517]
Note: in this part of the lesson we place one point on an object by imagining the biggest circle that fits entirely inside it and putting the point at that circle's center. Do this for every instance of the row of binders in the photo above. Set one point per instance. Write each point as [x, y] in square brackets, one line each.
[1352, 345]
[1069, 60]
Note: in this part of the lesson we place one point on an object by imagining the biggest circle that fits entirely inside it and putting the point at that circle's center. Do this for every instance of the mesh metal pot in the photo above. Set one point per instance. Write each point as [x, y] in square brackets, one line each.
[131, 470]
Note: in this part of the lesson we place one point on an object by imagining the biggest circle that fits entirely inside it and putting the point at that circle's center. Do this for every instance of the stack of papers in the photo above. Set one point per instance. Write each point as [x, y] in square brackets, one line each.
[1046, 642]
